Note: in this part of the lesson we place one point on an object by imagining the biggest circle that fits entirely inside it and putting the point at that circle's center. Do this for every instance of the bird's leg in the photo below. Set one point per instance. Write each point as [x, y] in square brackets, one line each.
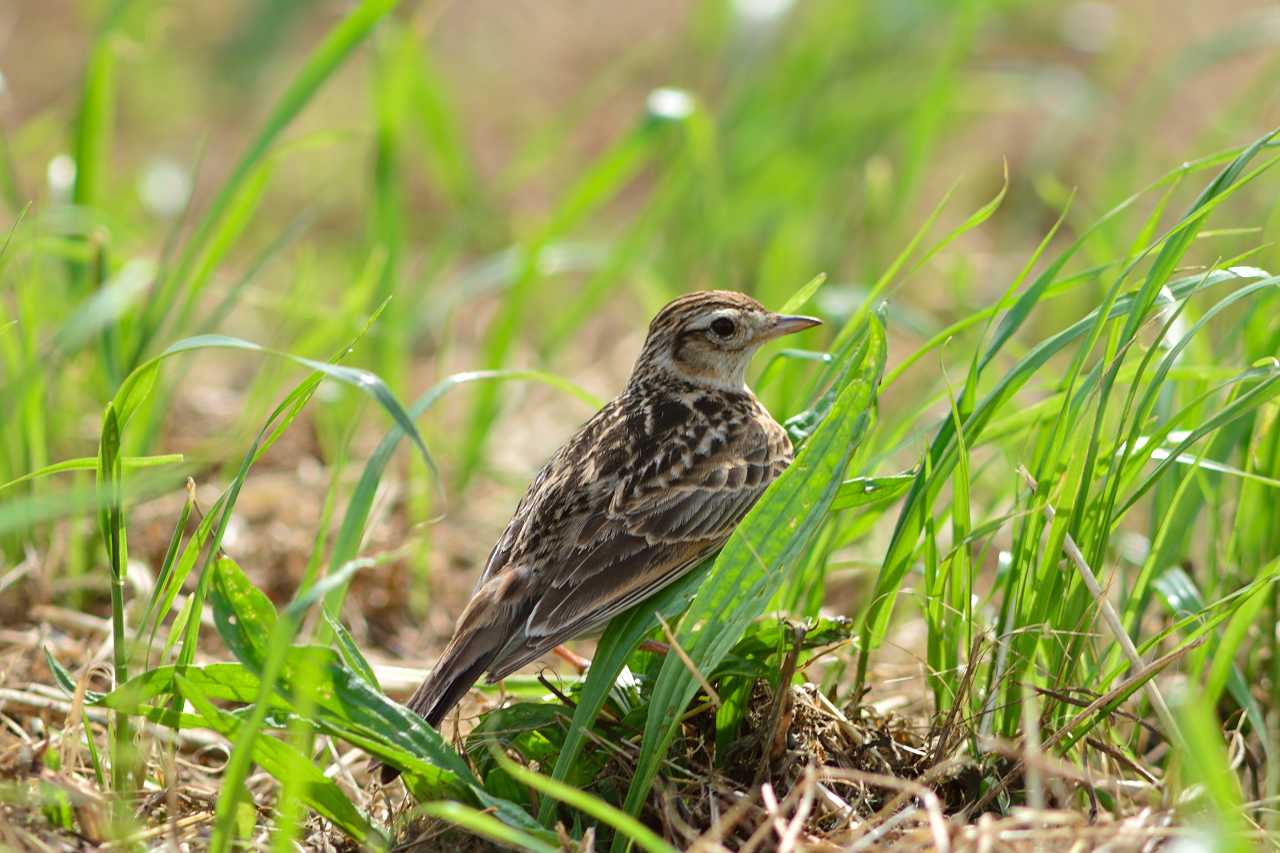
[654, 646]
[578, 662]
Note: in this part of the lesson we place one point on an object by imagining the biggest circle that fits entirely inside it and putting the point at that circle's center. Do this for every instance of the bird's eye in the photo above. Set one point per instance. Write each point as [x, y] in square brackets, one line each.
[723, 327]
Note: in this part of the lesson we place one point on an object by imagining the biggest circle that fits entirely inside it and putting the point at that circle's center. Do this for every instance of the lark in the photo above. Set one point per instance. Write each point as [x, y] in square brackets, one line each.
[649, 486]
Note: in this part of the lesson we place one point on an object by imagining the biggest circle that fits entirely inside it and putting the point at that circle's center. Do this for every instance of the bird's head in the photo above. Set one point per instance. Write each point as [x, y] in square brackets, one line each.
[707, 338]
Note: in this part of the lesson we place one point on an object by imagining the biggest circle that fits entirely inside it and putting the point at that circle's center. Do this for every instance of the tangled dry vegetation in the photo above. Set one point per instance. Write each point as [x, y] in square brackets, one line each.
[1094, 301]
[807, 775]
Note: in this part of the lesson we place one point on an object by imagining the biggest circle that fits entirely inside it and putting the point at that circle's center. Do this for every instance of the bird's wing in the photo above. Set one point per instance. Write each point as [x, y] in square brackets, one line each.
[539, 511]
[711, 493]
[652, 530]
[604, 601]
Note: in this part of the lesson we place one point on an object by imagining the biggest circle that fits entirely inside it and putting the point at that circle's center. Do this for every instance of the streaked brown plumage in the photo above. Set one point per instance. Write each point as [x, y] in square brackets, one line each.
[651, 484]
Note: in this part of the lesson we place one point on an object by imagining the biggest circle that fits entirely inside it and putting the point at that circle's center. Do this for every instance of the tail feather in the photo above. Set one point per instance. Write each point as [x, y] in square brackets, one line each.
[463, 662]
[436, 696]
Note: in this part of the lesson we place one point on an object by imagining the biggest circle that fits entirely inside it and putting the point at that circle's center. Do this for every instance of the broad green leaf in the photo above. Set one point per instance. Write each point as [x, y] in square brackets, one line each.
[243, 615]
[226, 682]
[861, 492]
[281, 760]
[752, 565]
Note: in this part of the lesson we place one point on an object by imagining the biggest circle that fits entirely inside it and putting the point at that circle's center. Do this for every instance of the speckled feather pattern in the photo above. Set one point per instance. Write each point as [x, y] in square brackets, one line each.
[652, 483]
[655, 481]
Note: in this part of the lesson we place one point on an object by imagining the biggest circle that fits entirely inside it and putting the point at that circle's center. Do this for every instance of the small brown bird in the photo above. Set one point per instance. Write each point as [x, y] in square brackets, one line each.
[650, 485]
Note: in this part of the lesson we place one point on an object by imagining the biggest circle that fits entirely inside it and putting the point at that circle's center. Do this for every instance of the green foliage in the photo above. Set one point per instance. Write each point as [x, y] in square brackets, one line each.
[1118, 341]
[768, 543]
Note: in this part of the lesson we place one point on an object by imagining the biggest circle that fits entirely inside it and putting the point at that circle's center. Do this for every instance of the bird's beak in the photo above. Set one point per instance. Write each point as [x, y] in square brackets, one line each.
[786, 324]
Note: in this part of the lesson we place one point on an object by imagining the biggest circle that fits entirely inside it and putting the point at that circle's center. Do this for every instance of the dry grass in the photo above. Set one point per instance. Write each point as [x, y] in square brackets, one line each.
[536, 95]
[884, 773]
[808, 776]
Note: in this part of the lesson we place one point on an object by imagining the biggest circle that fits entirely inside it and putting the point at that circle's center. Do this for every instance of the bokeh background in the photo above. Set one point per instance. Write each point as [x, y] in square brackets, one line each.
[521, 184]
[643, 149]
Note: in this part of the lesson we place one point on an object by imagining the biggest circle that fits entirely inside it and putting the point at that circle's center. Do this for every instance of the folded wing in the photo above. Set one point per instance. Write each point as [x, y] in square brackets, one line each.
[645, 535]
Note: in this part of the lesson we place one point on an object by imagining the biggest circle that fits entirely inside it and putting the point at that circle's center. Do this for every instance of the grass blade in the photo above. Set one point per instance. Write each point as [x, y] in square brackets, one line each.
[319, 67]
[751, 566]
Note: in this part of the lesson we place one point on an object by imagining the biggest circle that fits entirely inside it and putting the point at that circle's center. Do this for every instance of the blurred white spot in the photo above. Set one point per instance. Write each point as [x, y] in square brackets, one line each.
[1198, 842]
[330, 390]
[1089, 26]
[761, 11]
[1249, 272]
[164, 188]
[1062, 90]
[1178, 328]
[567, 257]
[235, 534]
[140, 578]
[1133, 547]
[840, 299]
[627, 679]
[670, 104]
[61, 175]
[4, 85]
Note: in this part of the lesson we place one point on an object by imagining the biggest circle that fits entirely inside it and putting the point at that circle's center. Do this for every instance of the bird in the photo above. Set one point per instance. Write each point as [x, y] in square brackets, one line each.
[648, 487]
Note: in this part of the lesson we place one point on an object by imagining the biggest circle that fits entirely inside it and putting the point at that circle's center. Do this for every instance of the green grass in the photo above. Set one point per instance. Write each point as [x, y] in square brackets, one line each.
[1035, 370]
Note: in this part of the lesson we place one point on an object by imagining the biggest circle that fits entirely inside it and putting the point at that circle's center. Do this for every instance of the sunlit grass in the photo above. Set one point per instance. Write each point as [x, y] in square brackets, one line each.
[976, 440]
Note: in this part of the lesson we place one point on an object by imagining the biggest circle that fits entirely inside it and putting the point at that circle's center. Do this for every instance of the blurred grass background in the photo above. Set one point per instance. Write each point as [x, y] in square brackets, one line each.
[464, 134]
[526, 182]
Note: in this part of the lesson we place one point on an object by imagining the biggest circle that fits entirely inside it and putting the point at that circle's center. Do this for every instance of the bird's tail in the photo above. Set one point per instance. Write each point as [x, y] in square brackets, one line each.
[464, 660]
